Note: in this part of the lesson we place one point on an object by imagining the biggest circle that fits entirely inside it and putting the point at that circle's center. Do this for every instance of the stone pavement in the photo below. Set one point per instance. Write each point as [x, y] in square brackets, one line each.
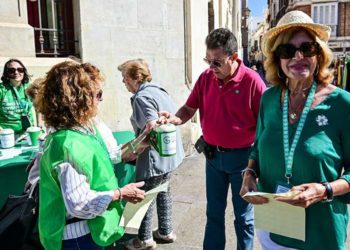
[188, 189]
[189, 203]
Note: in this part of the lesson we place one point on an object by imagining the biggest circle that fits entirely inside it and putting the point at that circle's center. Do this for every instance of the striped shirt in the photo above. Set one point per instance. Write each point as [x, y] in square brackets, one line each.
[80, 201]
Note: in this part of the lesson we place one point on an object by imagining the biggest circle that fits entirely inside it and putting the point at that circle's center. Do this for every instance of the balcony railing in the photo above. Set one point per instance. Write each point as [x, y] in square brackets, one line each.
[56, 39]
[54, 42]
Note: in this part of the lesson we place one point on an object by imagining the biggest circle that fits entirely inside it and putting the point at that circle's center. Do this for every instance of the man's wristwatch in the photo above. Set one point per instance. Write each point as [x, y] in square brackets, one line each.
[329, 191]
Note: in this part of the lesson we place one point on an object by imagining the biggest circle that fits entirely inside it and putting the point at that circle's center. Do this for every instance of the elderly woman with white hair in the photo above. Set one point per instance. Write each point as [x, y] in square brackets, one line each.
[301, 143]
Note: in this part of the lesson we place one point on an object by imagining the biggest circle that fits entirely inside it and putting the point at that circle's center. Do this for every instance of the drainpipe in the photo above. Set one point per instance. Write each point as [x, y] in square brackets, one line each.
[187, 42]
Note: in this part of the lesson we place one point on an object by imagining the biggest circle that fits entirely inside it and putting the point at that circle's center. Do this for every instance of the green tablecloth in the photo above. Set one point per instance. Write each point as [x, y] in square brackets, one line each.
[124, 172]
[13, 175]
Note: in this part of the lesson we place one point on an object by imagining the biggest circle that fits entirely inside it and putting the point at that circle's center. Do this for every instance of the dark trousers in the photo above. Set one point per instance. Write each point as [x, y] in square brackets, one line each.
[221, 172]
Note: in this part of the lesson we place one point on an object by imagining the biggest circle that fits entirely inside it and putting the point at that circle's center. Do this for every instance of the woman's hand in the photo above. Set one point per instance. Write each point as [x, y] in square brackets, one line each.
[249, 185]
[310, 193]
[132, 193]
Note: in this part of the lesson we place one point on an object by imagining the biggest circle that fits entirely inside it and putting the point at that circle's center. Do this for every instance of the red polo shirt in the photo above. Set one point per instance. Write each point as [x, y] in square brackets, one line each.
[228, 114]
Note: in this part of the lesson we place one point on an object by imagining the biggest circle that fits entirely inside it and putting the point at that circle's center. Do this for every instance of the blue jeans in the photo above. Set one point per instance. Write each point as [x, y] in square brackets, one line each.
[224, 169]
[83, 242]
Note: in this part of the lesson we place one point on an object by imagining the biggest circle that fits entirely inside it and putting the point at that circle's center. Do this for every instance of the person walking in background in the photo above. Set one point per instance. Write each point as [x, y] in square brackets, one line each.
[16, 110]
[147, 100]
[227, 95]
[32, 91]
[80, 201]
[302, 140]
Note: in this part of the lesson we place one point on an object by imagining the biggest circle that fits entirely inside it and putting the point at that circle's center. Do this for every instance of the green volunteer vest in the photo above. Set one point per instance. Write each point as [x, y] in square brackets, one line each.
[10, 110]
[89, 155]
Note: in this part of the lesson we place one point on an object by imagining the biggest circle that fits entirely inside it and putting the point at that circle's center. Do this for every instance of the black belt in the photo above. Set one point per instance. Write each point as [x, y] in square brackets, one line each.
[222, 149]
[219, 148]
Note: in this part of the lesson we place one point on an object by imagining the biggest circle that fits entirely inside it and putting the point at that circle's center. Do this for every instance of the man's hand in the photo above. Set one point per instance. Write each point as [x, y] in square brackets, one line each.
[166, 117]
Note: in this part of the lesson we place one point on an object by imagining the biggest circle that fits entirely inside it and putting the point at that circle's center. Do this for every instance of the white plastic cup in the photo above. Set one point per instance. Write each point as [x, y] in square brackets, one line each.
[7, 138]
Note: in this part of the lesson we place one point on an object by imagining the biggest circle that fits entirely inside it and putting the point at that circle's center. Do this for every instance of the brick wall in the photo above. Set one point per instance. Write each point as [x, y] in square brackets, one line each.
[344, 19]
[305, 8]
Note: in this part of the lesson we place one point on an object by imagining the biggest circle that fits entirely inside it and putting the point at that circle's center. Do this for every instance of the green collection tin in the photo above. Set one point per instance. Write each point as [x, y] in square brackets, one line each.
[163, 139]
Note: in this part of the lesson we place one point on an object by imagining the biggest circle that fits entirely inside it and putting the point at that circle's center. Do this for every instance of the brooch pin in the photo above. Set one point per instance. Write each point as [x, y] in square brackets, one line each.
[322, 120]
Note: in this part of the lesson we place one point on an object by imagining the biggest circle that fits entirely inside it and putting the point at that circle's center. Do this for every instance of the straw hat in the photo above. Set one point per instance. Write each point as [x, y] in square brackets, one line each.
[293, 19]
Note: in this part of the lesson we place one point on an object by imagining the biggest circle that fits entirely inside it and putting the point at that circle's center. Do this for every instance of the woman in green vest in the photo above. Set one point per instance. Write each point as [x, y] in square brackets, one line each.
[302, 140]
[80, 199]
[16, 110]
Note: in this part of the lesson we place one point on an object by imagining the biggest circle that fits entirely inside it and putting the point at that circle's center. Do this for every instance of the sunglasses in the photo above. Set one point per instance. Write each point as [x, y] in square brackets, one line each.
[216, 62]
[99, 95]
[287, 51]
[13, 70]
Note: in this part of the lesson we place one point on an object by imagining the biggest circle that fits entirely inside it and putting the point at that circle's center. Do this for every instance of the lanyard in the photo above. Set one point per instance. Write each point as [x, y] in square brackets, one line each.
[289, 152]
[23, 107]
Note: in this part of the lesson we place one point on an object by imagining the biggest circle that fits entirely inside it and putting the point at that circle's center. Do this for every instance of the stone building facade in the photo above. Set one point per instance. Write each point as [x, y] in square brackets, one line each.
[168, 34]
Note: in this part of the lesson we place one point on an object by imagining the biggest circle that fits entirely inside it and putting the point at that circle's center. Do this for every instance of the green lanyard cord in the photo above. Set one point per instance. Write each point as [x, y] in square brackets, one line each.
[289, 151]
[24, 108]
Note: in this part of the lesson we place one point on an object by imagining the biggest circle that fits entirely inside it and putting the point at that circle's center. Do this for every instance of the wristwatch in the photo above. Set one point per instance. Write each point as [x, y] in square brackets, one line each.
[329, 191]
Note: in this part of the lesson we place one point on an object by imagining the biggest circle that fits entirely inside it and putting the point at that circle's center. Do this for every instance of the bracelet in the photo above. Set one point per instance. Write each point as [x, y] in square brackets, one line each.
[120, 194]
[251, 170]
[329, 191]
[133, 148]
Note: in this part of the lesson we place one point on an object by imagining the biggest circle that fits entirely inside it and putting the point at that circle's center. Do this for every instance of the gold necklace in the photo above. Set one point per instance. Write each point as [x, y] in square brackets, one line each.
[300, 97]
[294, 111]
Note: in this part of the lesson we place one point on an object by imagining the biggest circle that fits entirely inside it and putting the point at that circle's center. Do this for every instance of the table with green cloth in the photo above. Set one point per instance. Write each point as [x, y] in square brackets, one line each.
[13, 175]
[125, 172]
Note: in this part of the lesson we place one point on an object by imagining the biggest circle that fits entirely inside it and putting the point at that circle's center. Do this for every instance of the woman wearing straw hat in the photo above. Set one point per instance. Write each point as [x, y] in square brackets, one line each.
[301, 144]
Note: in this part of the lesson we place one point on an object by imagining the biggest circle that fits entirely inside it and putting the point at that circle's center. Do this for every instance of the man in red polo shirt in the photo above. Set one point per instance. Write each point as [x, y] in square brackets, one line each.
[227, 95]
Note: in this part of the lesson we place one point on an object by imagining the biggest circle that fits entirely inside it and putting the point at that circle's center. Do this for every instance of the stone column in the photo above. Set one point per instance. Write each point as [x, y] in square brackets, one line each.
[17, 36]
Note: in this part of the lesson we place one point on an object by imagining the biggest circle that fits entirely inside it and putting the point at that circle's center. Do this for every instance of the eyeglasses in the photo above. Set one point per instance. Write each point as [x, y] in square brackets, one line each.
[13, 70]
[99, 95]
[287, 51]
[216, 62]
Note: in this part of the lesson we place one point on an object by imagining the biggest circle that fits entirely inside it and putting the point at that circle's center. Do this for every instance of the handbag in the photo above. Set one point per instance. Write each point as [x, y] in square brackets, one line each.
[18, 217]
[25, 122]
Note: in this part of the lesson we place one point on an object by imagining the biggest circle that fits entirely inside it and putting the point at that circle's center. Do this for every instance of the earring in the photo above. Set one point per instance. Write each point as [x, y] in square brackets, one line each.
[317, 70]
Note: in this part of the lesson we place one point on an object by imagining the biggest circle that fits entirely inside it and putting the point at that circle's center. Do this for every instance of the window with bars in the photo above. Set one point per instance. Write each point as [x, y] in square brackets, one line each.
[326, 13]
[53, 24]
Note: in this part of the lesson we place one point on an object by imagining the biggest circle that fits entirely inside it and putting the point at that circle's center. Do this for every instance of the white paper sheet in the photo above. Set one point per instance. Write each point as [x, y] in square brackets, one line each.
[279, 217]
[9, 153]
[133, 213]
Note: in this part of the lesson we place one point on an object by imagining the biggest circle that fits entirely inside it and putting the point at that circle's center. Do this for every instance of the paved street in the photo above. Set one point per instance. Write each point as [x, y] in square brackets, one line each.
[188, 187]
